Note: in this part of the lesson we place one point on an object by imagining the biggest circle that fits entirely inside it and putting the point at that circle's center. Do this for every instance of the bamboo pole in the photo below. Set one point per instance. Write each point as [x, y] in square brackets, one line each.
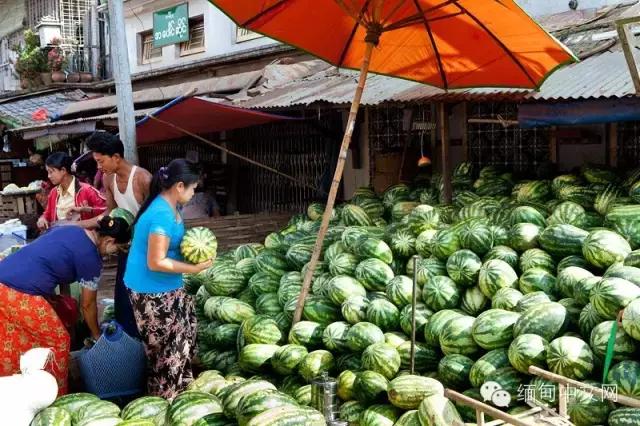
[335, 184]
[414, 302]
[446, 167]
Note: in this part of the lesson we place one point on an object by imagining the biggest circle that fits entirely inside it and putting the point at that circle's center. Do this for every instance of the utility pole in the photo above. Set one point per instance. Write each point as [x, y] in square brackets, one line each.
[122, 77]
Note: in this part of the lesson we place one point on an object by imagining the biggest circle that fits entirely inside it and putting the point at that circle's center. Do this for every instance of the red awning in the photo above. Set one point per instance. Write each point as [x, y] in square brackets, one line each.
[200, 116]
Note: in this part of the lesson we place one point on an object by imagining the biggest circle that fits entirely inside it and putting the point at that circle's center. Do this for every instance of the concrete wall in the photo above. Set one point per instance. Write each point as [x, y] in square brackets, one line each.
[220, 34]
[548, 7]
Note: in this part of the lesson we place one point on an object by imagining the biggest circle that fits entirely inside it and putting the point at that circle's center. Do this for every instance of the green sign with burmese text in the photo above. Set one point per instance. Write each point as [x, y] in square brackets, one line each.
[171, 25]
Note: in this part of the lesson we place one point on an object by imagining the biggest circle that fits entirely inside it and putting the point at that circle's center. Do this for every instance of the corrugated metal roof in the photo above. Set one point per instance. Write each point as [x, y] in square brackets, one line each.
[601, 76]
[19, 113]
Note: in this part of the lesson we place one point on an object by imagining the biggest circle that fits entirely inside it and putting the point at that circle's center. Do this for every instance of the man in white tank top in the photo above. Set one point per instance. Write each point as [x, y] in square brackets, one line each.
[126, 186]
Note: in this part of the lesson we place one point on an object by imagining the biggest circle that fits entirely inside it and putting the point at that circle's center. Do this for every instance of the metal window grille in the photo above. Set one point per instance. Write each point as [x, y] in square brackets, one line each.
[243, 34]
[37, 9]
[510, 148]
[72, 14]
[298, 149]
[149, 53]
[155, 156]
[386, 132]
[629, 144]
[196, 38]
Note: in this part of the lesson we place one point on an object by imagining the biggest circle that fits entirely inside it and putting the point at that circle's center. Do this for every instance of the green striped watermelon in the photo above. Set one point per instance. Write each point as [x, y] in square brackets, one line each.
[527, 214]
[250, 405]
[569, 278]
[463, 267]
[547, 320]
[190, 406]
[373, 274]
[486, 364]
[334, 336]
[437, 410]
[611, 295]
[504, 253]
[433, 328]
[524, 236]
[288, 415]
[369, 386]
[406, 392]
[537, 279]
[508, 377]
[354, 309]
[603, 248]
[351, 412]
[344, 384]
[343, 264]
[285, 359]
[422, 317]
[261, 329]
[441, 292]
[537, 258]
[631, 319]
[582, 289]
[494, 275]
[588, 319]
[624, 417]
[426, 358]
[52, 416]
[400, 290]
[306, 333]
[625, 376]
[320, 309]
[353, 215]
[379, 415]
[453, 371]
[381, 358]
[374, 248]
[315, 363]
[254, 356]
[586, 409]
[532, 299]
[198, 245]
[457, 337]
[363, 334]
[272, 263]
[624, 346]
[424, 241]
[526, 350]
[341, 287]
[384, 314]
[562, 240]
[146, 407]
[506, 298]
[445, 242]
[493, 328]
[473, 301]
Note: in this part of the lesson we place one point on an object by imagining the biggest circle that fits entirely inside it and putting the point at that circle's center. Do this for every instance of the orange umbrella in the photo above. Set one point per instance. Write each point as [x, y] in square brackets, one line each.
[444, 43]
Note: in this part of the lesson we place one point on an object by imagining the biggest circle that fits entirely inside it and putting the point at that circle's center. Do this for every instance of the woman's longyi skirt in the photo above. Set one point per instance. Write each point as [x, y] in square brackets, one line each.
[26, 322]
[167, 326]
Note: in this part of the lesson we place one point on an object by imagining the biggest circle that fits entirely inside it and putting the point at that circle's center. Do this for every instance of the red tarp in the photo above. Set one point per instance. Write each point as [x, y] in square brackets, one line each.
[199, 116]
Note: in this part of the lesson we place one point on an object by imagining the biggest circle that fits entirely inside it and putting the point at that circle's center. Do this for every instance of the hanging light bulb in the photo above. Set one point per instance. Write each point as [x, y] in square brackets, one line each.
[423, 161]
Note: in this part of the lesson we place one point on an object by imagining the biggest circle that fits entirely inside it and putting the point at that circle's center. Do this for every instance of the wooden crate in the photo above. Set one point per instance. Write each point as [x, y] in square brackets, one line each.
[232, 231]
[23, 207]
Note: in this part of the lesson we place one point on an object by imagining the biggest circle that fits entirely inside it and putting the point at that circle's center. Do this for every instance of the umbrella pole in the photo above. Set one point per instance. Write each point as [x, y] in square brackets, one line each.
[335, 184]
[446, 167]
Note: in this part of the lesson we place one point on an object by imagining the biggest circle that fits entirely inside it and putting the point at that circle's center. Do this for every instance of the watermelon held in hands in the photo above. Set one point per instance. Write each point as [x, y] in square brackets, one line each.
[199, 245]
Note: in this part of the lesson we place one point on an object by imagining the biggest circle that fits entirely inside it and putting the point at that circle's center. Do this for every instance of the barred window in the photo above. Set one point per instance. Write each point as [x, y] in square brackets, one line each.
[196, 37]
[148, 53]
[243, 34]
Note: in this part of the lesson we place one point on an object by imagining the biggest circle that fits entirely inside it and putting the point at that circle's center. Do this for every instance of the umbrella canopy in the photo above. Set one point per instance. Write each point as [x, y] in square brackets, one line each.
[444, 43]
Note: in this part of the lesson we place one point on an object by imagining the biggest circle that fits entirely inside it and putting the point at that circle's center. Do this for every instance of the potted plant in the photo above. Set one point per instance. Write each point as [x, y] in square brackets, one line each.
[57, 61]
[31, 61]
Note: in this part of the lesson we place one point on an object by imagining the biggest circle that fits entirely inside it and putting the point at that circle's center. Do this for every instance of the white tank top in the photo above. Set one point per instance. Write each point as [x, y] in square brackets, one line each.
[128, 199]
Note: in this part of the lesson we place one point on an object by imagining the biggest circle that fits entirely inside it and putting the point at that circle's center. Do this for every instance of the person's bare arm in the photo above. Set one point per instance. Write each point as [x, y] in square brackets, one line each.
[111, 204]
[158, 261]
[142, 183]
[89, 308]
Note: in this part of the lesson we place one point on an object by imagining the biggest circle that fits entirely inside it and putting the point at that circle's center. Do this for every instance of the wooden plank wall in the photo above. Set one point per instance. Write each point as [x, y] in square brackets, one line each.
[232, 231]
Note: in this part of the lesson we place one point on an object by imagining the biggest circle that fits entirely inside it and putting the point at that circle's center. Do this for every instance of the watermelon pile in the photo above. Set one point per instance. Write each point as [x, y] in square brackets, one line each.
[512, 274]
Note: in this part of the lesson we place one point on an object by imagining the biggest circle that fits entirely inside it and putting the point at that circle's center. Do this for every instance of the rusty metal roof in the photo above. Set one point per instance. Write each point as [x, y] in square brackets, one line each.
[601, 76]
[20, 112]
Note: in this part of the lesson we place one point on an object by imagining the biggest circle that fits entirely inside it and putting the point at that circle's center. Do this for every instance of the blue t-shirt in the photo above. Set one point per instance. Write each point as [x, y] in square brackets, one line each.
[63, 255]
[160, 219]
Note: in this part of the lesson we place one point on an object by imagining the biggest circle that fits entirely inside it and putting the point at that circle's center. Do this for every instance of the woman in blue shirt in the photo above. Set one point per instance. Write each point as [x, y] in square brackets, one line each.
[164, 312]
[28, 280]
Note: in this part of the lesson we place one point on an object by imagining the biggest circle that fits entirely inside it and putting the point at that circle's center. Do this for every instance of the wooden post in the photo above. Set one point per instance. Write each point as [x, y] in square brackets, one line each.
[625, 35]
[446, 166]
[612, 128]
[335, 184]
[562, 399]
[407, 140]
[485, 408]
[465, 130]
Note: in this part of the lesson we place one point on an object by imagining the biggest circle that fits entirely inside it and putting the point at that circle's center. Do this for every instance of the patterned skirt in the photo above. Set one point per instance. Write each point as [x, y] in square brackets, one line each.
[167, 325]
[26, 322]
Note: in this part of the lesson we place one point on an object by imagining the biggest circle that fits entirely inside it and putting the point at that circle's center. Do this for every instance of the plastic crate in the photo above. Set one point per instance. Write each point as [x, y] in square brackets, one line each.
[114, 366]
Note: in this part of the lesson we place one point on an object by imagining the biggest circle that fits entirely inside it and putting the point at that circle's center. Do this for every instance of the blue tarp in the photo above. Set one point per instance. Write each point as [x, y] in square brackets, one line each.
[578, 112]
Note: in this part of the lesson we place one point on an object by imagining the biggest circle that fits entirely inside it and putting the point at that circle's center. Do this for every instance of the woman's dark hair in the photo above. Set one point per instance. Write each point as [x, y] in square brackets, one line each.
[178, 170]
[60, 160]
[105, 143]
[115, 227]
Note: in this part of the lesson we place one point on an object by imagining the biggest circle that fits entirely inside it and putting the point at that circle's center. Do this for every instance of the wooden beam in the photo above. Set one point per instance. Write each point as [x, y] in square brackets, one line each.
[446, 161]
[625, 35]
[613, 144]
